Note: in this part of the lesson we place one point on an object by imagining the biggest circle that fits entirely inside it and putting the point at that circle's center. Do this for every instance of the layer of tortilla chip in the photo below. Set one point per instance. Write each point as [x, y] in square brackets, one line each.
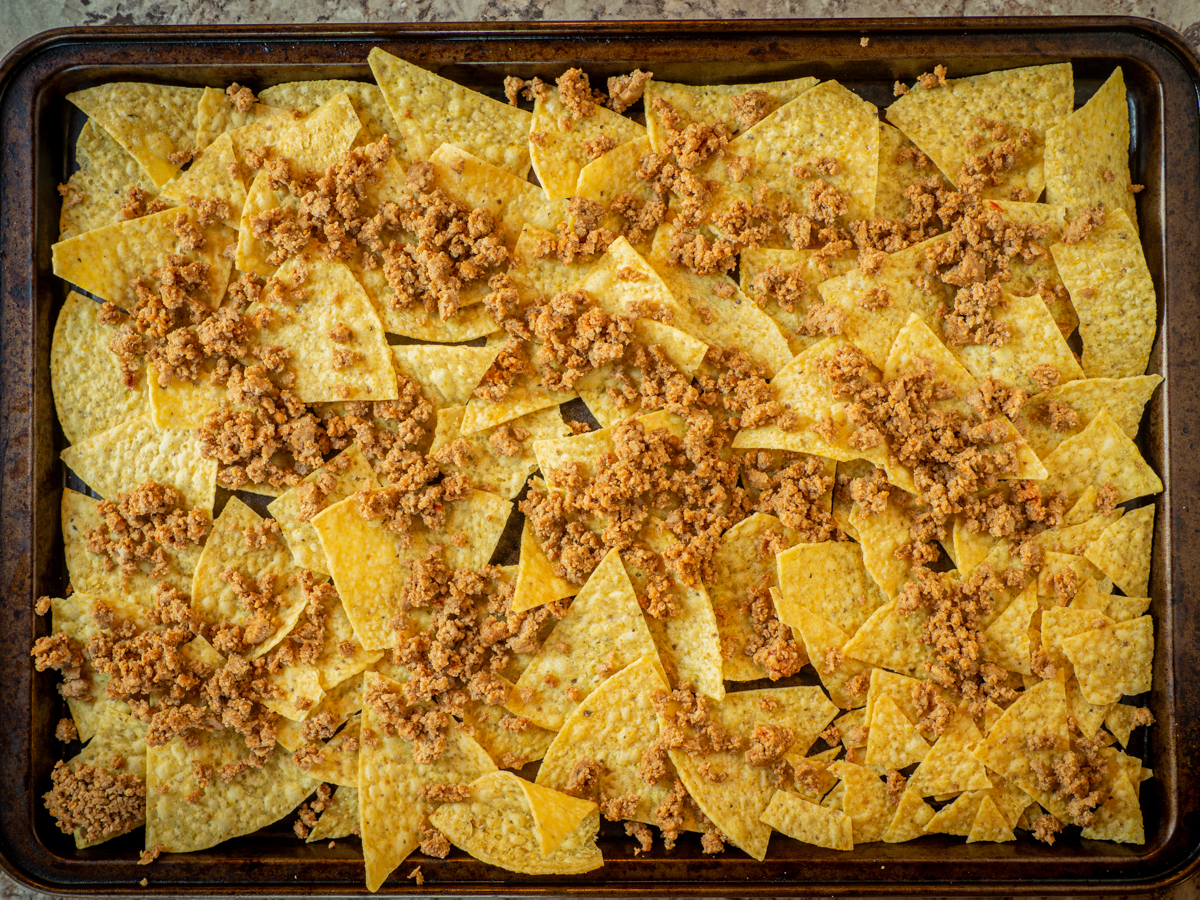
[1122, 551]
[101, 185]
[340, 818]
[1100, 454]
[214, 174]
[1114, 660]
[710, 104]
[830, 580]
[1123, 398]
[809, 823]
[536, 582]
[367, 99]
[216, 115]
[865, 800]
[805, 265]
[900, 165]
[949, 767]
[488, 468]
[891, 641]
[447, 375]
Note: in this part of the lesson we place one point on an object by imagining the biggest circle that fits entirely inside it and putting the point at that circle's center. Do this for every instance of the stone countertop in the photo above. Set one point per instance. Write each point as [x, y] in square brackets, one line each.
[28, 17]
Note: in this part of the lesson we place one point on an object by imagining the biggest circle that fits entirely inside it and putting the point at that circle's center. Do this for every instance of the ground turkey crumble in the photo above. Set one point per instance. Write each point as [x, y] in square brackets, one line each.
[95, 801]
[136, 529]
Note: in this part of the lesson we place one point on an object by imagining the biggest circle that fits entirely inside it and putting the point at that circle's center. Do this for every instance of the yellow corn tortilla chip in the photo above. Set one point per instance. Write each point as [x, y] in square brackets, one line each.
[324, 369]
[959, 816]
[89, 389]
[911, 817]
[1038, 274]
[510, 749]
[612, 290]
[865, 801]
[740, 565]
[430, 111]
[116, 461]
[367, 99]
[949, 767]
[830, 580]
[536, 582]
[1122, 552]
[101, 185]
[1035, 339]
[1113, 293]
[736, 803]
[182, 822]
[151, 121]
[340, 818]
[556, 142]
[709, 104]
[603, 180]
[897, 173]
[469, 323]
[1060, 623]
[446, 374]
[1087, 716]
[1087, 154]
[911, 288]
[900, 689]
[890, 640]
[990, 824]
[970, 547]
[105, 260]
[1119, 818]
[1119, 720]
[586, 448]
[941, 119]
[216, 115]
[602, 632]
[341, 702]
[488, 468]
[1039, 713]
[805, 266]
[1006, 639]
[337, 765]
[1053, 565]
[1113, 660]
[809, 822]
[1100, 454]
[688, 642]
[1123, 398]
[215, 174]
[118, 735]
[497, 826]
[892, 740]
[389, 779]
[368, 562]
[821, 639]
[880, 534]
[526, 395]
[255, 254]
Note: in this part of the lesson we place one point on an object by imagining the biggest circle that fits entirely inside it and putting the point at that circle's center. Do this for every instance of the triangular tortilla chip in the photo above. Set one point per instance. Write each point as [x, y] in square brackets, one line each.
[1123, 398]
[1006, 640]
[1087, 154]
[1113, 661]
[586, 448]
[809, 822]
[340, 818]
[709, 104]
[865, 801]
[990, 824]
[1119, 818]
[824, 643]
[1114, 295]
[1087, 716]
[959, 816]
[101, 186]
[447, 375]
[151, 121]
[940, 119]
[899, 167]
[1122, 552]
[891, 640]
[911, 817]
[613, 174]
[489, 466]
[367, 99]
[828, 579]
[1040, 713]
[119, 738]
[892, 740]
[555, 815]
[602, 632]
[389, 779]
[510, 749]
[1060, 623]
[497, 825]
[802, 269]
[430, 111]
[536, 582]
[216, 115]
[1100, 454]
[215, 174]
[525, 395]
[949, 767]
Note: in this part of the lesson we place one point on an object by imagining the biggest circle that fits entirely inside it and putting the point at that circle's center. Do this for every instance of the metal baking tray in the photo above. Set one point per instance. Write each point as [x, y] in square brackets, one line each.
[38, 127]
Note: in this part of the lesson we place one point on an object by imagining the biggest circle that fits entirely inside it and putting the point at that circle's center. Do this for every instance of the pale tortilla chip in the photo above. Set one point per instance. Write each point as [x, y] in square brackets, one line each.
[1123, 398]
[809, 822]
[430, 111]
[603, 180]
[151, 121]
[367, 99]
[939, 120]
[214, 174]
[101, 185]
[990, 824]
[1039, 713]
[340, 818]
[1100, 454]
[897, 170]
[216, 115]
[890, 640]
[1122, 551]
[912, 815]
[525, 395]
[892, 740]
[510, 749]
[469, 323]
[447, 375]
[959, 816]
[805, 265]
[1113, 293]
[1006, 639]
[488, 468]
[710, 104]
[830, 580]
[1113, 661]
[824, 643]
[119, 736]
[865, 801]
[1060, 623]
[536, 582]
[1119, 818]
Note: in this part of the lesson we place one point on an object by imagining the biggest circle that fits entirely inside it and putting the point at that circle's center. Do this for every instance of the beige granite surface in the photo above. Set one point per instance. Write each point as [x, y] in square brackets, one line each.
[20, 19]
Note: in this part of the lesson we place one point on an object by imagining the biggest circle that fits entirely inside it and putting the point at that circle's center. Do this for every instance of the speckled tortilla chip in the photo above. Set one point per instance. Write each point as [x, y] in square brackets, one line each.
[821, 639]
[1053, 565]
[1088, 717]
[880, 533]
[216, 115]
[1038, 713]
[342, 476]
[602, 632]
[510, 749]
[1006, 640]
[990, 824]
[1100, 454]
[151, 121]
[909, 821]
[430, 110]
[1114, 295]
[525, 395]
[865, 801]
[1087, 154]
[369, 563]
[830, 580]
[467, 324]
[181, 821]
[104, 261]
[488, 467]
[389, 779]
[603, 180]
[447, 375]
[1034, 339]
[184, 405]
[499, 825]
[336, 764]
[1119, 818]
[119, 737]
[708, 104]
[1122, 552]
[1038, 274]
[367, 99]
[215, 600]
[340, 818]
[892, 740]
[688, 642]
[941, 119]
[214, 174]
[611, 287]
[536, 582]
[897, 170]
[806, 265]
[736, 803]
[958, 817]
[586, 448]
[1123, 398]
[949, 766]
[557, 142]
[89, 389]
[890, 640]
[740, 564]
[809, 822]
[1114, 660]
[116, 461]
[1119, 720]
[340, 702]
[253, 252]
[101, 185]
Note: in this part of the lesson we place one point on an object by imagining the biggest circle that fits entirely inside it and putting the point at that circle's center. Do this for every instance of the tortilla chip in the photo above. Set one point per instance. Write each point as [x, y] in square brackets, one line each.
[469, 323]
[340, 818]
[367, 99]
[430, 111]
[612, 289]
[1060, 623]
[892, 740]
[214, 174]
[1100, 454]
[556, 143]
[805, 264]
[181, 821]
[990, 824]
[710, 104]
[1087, 716]
[1087, 154]
[949, 767]
[106, 260]
[880, 534]
[1114, 295]
[1119, 818]
[1006, 640]
[116, 461]
[526, 395]
[489, 469]
[118, 735]
[389, 779]
[1119, 720]
[940, 120]
[216, 115]
[536, 582]
[101, 185]
[824, 643]
[1114, 660]
[809, 822]
[603, 180]
[447, 375]
[1123, 398]
[585, 448]
[340, 702]
[959, 816]
[740, 566]
[897, 170]
[503, 825]
[1122, 552]
[911, 817]
[890, 640]
[1040, 713]
[865, 801]
[830, 580]
[602, 632]
[345, 474]
[336, 764]
[151, 121]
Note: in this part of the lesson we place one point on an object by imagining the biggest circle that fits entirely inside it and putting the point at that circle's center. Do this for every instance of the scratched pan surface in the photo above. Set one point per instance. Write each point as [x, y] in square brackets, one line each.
[38, 129]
